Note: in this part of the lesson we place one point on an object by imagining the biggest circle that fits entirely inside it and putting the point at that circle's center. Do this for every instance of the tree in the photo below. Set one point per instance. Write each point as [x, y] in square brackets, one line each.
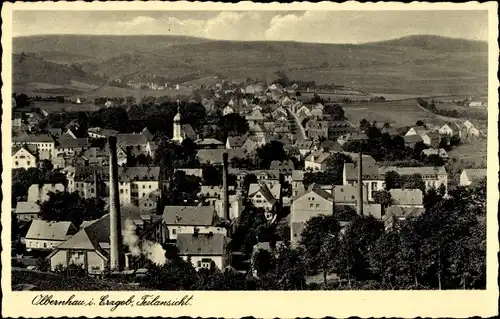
[419, 123]
[392, 180]
[247, 231]
[63, 206]
[359, 238]
[345, 213]
[413, 181]
[383, 198]
[263, 262]
[335, 112]
[272, 151]
[176, 274]
[364, 125]
[316, 231]
[183, 189]
[114, 118]
[232, 124]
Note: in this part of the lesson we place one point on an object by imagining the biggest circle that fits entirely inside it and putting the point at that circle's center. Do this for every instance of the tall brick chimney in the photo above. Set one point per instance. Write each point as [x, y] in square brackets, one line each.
[115, 227]
[225, 186]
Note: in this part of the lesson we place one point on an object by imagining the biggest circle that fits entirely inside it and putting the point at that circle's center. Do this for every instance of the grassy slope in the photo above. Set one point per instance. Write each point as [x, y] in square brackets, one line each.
[422, 64]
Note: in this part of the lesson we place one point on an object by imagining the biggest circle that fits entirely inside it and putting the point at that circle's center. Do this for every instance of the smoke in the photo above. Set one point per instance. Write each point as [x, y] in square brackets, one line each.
[151, 250]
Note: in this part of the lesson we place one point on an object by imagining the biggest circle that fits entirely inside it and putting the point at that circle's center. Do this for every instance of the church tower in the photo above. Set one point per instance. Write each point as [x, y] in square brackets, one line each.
[177, 132]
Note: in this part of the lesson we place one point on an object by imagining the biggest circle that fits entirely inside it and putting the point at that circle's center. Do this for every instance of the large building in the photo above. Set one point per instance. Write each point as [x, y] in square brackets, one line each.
[134, 183]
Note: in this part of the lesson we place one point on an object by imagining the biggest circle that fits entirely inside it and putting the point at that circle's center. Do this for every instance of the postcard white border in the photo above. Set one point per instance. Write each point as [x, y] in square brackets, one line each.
[268, 304]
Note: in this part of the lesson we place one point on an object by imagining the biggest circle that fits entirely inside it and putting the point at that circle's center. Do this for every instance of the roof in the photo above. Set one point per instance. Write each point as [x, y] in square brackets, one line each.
[237, 141]
[201, 244]
[72, 142]
[31, 149]
[188, 215]
[329, 145]
[297, 175]
[372, 209]
[433, 135]
[412, 138]
[370, 171]
[304, 144]
[392, 131]
[214, 156]
[126, 139]
[147, 133]
[208, 141]
[50, 230]
[476, 173]
[27, 208]
[315, 188]
[39, 138]
[423, 171]
[189, 132]
[420, 130]
[318, 157]
[407, 196]
[348, 193]
[191, 171]
[102, 131]
[126, 174]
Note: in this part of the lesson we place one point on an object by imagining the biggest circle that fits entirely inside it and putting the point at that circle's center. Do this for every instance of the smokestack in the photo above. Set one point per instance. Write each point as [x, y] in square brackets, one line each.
[115, 235]
[360, 183]
[225, 204]
[96, 185]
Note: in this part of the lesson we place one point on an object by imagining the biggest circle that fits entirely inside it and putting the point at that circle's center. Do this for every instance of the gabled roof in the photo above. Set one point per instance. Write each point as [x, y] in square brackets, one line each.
[188, 215]
[407, 196]
[318, 157]
[189, 132]
[201, 244]
[27, 208]
[128, 139]
[370, 171]
[433, 135]
[103, 131]
[125, 174]
[214, 156]
[208, 141]
[30, 149]
[237, 141]
[426, 170]
[65, 142]
[317, 189]
[348, 194]
[49, 230]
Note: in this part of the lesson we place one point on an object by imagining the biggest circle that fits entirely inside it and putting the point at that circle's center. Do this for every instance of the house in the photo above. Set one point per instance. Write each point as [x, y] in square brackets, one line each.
[256, 130]
[23, 157]
[450, 129]
[438, 152]
[190, 220]
[297, 182]
[316, 129]
[40, 192]
[136, 143]
[392, 131]
[97, 132]
[134, 183]
[71, 146]
[211, 193]
[90, 248]
[265, 195]
[236, 141]
[470, 130]
[253, 143]
[351, 137]
[469, 176]
[339, 128]
[47, 235]
[305, 147]
[43, 143]
[433, 177]
[314, 202]
[412, 140]
[280, 114]
[372, 179]
[26, 211]
[317, 161]
[407, 197]
[303, 112]
[431, 139]
[475, 104]
[346, 195]
[417, 130]
[150, 202]
[207, 251]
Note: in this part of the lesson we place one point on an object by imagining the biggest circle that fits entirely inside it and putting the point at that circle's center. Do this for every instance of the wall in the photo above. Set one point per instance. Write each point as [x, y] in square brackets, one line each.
[95, 263]
[42, 244]
[219, 261]
[302, 210]
[172, 230]
[23, 159]
[59, 258]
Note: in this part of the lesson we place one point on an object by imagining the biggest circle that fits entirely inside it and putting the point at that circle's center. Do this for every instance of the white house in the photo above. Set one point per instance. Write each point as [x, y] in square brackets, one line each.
[190, 219]
[227, 110]
[207, 250]
[23, 158]
[40, 192]
[468, 176]
[316, 161]
[47, 235]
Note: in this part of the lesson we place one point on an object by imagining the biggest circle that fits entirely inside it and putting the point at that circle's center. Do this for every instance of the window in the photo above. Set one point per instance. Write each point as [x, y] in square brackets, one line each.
[149, 186]
[143, 186]
[174, 231]
[121, 191]
[44, 245]
[317, 206]
[28, 162]
[16, 163]
[311, 206]
[22, 156]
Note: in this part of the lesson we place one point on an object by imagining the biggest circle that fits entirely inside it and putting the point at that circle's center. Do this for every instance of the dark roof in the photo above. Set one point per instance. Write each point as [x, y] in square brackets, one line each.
[38, 138]
[189, 215]
[139, 173]
[214, 156]
[189, 132]
[126, 139]
[73, 142]
[286, 165]
[412, 138]
[237, 141]
[370, 171]
[201, 244]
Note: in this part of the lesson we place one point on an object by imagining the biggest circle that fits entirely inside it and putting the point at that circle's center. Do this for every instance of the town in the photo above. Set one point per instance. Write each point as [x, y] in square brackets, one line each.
[243, 186]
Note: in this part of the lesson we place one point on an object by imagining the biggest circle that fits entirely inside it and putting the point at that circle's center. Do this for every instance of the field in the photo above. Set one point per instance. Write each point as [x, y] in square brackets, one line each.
[475, 152]
[55, 107]
[398, 114]
[112, 91]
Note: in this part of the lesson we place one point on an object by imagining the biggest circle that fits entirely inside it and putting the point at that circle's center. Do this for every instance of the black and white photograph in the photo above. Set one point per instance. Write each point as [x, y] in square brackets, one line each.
[249, 150]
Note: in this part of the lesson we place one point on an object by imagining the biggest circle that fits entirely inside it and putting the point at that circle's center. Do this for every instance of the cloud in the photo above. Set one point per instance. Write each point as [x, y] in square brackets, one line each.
[140, 20]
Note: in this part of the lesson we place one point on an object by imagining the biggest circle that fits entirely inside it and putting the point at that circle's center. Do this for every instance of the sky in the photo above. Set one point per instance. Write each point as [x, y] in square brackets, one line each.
[302, 26]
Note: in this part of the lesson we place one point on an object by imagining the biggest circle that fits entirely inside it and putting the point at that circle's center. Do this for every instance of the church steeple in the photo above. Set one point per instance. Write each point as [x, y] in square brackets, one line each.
[177, 130]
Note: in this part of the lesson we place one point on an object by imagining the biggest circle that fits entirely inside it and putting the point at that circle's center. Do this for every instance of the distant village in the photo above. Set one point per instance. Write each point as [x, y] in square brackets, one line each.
[280, 160]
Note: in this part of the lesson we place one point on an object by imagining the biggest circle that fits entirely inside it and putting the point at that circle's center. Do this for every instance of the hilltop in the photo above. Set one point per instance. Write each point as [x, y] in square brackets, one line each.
[415, 64]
